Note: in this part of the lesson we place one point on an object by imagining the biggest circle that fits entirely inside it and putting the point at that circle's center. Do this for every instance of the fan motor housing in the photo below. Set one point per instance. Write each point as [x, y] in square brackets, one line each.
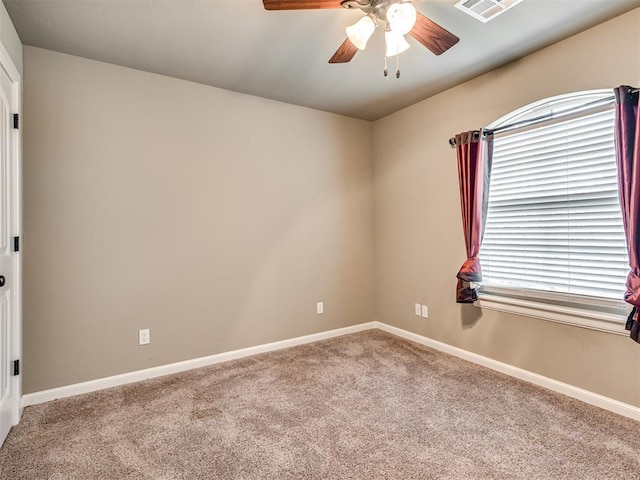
[376, 8]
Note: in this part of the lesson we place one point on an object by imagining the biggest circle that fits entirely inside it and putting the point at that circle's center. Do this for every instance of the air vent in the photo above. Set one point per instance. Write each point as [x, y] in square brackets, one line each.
[485, 10]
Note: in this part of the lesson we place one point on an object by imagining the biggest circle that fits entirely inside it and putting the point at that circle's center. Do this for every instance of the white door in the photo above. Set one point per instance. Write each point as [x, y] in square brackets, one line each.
[9, 259]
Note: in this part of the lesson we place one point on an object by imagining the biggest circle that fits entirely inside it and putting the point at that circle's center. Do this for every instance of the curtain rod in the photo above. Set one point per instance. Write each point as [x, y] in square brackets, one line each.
[548, 116]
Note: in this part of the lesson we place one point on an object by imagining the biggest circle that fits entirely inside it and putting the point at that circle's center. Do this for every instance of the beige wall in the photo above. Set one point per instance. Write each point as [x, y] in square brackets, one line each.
[215, 219]
[418, 232]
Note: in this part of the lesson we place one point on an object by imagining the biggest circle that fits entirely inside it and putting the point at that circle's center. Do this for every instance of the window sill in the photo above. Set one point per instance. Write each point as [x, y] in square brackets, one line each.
[593, 320]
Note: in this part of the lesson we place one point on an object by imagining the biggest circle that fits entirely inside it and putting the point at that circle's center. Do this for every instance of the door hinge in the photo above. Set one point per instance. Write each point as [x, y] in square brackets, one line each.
[16, 244]
[16, 121]
[16, 367]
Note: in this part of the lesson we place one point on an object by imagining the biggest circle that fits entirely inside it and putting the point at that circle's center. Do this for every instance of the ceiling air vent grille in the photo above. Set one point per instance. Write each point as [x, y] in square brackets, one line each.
[485, 10]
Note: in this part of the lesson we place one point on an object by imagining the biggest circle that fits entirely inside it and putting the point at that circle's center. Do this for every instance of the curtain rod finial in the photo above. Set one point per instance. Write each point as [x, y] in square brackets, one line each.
[452, 142]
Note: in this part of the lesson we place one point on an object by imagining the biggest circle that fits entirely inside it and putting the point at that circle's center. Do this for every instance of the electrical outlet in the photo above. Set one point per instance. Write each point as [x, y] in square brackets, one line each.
[144, 337]
[320, 308]
[425, 311]
[417, 309]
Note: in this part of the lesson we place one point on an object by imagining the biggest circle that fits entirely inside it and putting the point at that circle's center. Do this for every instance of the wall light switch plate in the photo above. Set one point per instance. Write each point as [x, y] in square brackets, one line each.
[144, 337]
[418, 310]
[320, 308]
[425, 311]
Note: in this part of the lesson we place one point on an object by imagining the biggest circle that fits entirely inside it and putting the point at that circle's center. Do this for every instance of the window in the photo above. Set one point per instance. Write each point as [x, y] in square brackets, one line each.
[554, 240]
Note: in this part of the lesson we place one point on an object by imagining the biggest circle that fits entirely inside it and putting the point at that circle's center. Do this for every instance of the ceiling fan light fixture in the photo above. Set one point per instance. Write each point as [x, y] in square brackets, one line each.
[396, 44]
[360, 32]
[401, 17]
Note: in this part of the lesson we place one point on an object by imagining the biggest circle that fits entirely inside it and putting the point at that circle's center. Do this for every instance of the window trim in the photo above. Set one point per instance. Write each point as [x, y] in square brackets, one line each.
[519, 302]
[577, 317]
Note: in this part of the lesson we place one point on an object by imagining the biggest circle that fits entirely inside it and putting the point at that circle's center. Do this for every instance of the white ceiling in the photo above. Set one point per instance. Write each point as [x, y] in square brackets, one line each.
[282, 55]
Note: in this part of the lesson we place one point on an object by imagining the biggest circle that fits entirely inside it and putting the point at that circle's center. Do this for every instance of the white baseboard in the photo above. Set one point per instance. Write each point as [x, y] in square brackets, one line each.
[586, 396]
[125, 378]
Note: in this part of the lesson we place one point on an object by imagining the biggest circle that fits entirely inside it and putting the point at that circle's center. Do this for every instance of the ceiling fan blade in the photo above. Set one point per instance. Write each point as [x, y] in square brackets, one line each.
[345, 52]
[432, 35]
[300, 4]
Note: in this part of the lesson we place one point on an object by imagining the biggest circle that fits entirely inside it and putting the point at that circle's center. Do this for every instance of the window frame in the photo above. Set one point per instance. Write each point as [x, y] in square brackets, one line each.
[593, 313]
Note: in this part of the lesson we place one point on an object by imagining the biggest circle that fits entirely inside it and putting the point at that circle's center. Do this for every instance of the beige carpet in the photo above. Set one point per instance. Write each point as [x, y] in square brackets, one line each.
[362, 406]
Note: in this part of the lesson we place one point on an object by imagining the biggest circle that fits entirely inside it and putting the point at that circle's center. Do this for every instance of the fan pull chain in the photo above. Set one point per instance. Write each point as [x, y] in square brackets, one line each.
[386, 68]
[384, 55]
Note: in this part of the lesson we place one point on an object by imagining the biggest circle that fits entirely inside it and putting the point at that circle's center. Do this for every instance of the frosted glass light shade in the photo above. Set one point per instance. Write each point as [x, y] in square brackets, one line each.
[396, 44]
[401, 17]
[360, 32]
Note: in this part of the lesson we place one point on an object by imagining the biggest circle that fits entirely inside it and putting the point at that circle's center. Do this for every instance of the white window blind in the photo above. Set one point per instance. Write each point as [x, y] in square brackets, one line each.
[554, 222]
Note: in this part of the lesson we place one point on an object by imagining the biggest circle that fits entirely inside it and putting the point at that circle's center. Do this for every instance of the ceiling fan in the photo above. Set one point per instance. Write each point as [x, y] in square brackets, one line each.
[399, 17]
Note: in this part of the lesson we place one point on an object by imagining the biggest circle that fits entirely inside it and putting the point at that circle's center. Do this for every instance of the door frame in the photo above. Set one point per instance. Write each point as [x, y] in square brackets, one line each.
[7, 64]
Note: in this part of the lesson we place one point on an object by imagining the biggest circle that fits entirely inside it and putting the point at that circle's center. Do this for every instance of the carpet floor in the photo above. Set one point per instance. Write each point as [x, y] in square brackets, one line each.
[363, 406]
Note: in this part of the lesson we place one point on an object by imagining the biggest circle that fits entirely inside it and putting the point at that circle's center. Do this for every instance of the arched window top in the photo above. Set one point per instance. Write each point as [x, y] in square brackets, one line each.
[552, 105]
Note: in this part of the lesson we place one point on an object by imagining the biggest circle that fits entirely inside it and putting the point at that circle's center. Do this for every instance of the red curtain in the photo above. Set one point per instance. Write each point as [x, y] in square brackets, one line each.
[475, 152]
[627, 133]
